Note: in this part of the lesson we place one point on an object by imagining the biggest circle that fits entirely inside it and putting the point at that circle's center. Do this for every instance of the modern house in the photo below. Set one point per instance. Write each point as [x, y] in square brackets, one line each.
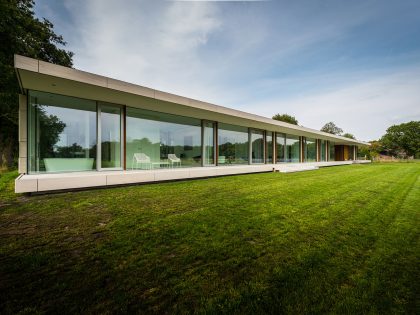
[78, 129]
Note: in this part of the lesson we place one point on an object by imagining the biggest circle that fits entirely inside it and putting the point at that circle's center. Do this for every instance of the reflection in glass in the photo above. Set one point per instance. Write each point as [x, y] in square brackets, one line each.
[310, 150]
[110, 136]
[159, 140]
[269, 146]
[323, 148]
[257, 146]
[208, 138]
[331, 150]
[233, 145]
[61, 134]
[351, 152]
[280, 147]
[292, 149]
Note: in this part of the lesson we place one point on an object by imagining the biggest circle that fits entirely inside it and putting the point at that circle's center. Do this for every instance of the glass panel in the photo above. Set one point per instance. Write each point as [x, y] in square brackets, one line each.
[110, 136]
[159, 140]
[280, 147]
[269, 146]
[257, 144]
[233, 145]
[331, 151]
[323, 150]
[62, 133]
[351, 152]
[208, 137]
[292, 149]
[310, 150]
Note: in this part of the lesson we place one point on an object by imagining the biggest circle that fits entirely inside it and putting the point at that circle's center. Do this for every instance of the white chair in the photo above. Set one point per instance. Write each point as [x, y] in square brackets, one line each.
[173, 160]
[143, 160]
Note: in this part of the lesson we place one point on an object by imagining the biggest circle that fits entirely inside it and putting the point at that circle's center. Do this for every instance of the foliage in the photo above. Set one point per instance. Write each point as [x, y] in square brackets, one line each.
[371, 152]
[349, 135]
[21, 33]
[403, 140]
[332, 128]
[339, 240]
[286, 118]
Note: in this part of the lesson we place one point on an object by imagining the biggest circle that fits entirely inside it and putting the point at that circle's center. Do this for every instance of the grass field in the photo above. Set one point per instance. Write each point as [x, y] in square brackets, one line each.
[341, 240]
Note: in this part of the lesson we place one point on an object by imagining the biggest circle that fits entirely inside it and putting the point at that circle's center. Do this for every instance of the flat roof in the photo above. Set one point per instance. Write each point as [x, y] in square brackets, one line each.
[39, 75]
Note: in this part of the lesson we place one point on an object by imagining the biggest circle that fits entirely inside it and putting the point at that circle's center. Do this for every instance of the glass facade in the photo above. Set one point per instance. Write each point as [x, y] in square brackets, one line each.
[351, 152]
[280, 147]
[292, 151]
[110, 135]
[159, 140]
[208, 145]
[269, 146]
[331, 151]
[309, 150]
[61, 133]
[257, 146]
[71, 134]
[323, 148]
[233, 145]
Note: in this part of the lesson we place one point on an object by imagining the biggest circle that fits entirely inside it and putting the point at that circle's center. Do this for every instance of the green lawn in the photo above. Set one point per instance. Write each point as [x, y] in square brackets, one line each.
[340, 240]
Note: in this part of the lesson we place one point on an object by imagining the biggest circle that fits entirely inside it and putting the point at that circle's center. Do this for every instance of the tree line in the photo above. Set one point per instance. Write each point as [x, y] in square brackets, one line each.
[400, 141]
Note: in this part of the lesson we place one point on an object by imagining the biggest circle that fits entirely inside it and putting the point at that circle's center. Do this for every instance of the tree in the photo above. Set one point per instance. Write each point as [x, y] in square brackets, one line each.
[21, 33]
[286, 118]
[371, 152]
[332, 128]
[403, 139]
[348, 135]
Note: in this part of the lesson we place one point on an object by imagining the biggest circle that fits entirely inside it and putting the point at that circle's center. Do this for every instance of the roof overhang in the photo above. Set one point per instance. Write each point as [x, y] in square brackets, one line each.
[38, 75]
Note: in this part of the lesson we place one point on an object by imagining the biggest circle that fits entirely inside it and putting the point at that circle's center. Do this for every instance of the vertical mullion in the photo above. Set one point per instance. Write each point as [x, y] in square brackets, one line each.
[216, 142]
[98, 137]
[202, 144]
[124, 137]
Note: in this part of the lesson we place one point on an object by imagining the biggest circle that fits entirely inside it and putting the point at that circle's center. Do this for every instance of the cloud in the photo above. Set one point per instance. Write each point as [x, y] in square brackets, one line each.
[365, 108]
[302, 57]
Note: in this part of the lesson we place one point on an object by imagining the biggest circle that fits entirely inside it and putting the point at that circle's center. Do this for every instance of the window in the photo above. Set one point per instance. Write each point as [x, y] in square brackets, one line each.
[257, 146]
[292, 149]
[110, 135]
[323, 148]
[331, 146]
[233, 145]
[310, 150]
[269, 146]
[61, 133]
[159, 140]
[208, 138]
[280, 147]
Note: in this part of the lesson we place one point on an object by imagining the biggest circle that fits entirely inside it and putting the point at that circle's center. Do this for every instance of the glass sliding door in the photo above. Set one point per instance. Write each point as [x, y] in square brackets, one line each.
[323, 148]
[159, 140]
[257, 146]
[292, 149]
[269, 147]
[331, 151]
[280, 147]
[208, 143]
[310, 150]
[110, 126]
[61, 133]
[233, 144]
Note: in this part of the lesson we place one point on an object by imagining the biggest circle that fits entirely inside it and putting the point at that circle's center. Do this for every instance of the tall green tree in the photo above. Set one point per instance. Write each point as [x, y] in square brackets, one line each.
[21, 32]
[403, 139]
[330, 127]
[349, 135]
[285, 118]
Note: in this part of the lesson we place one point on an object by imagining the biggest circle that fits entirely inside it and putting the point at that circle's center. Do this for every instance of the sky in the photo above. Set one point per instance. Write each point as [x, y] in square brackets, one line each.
[356, 63]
